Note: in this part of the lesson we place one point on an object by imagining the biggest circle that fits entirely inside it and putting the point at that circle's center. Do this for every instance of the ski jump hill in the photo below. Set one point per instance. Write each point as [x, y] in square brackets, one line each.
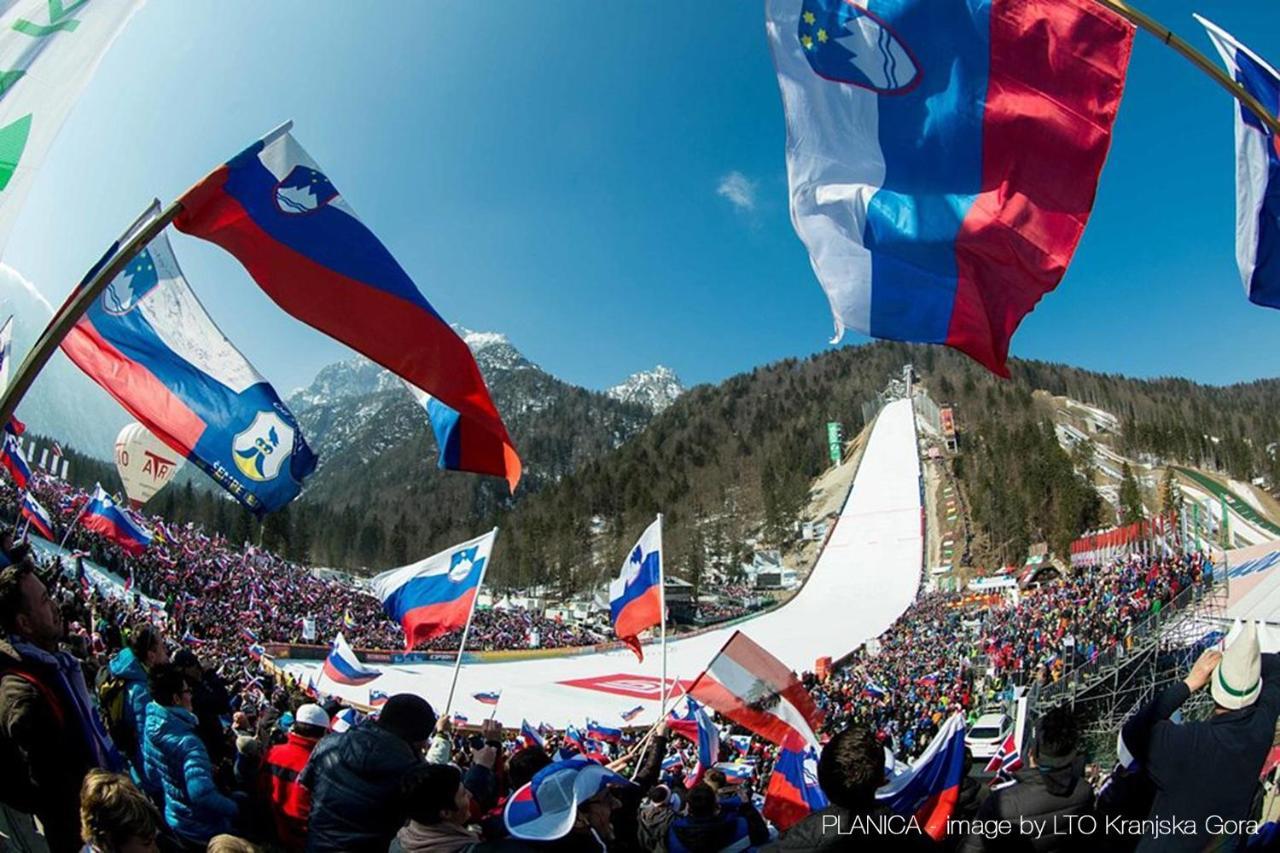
[865, 577]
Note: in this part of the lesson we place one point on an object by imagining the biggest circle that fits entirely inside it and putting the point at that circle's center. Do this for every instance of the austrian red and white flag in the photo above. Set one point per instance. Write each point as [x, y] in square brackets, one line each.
[758, 692]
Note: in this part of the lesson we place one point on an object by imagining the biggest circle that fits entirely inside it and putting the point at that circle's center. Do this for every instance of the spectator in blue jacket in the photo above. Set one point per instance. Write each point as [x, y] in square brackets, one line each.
[146, 650]
[174, 754]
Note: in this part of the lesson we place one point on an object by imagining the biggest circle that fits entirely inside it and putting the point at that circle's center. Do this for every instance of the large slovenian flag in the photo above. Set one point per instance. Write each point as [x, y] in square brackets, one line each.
[1257, 169]
[635, 596]
[150, 344]
[13, 460]
[103, 516]
[929, 790]
[434, 596]
[793, 791]
[39, 518]
[274, 209]
[943, 155]
[343, 667]
[757, 691]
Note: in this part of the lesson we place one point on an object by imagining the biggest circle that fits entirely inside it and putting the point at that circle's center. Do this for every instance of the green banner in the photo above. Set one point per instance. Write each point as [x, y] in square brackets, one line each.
[835, 444]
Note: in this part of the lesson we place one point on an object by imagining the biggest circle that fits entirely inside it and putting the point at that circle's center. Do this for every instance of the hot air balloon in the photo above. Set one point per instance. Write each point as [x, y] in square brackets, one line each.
[145, 463]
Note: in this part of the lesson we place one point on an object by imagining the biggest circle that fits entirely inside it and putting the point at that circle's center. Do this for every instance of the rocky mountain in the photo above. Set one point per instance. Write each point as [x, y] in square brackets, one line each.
[654, 389]
[377, 453]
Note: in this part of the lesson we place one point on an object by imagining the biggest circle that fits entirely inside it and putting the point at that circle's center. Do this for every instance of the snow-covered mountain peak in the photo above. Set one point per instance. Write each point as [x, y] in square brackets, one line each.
[654, 389]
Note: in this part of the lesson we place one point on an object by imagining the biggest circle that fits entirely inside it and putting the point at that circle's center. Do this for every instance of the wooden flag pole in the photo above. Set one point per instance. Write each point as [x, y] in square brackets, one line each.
[73, 309]
[1215, 70]
[466, 629]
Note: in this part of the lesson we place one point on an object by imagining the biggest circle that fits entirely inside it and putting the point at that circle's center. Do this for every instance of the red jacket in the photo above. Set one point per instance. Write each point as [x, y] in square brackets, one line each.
[290, 802]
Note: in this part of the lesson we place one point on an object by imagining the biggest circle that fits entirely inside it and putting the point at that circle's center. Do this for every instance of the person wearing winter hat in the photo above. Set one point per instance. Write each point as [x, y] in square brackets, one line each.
[568, 806]
[355, 778]
[290, 801]
[1206, 772]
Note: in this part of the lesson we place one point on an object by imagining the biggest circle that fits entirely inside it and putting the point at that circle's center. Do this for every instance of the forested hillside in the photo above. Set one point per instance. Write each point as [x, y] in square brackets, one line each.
[734, 461]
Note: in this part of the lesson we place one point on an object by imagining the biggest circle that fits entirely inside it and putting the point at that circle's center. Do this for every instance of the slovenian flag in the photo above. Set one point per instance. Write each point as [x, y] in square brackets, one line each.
[14, 461]
[793, 791]
[104, 517]
[930, 788]
[275, 210]
[487, 698]
[377, 698]
[434, 596]
[151, 345]
[635, 596]
[459, 720]
[37, 516]
[736, 772]
[596, 731]
[531, 736]
[875, 691]
[343, 667]
[943, 156]
[1257, 169]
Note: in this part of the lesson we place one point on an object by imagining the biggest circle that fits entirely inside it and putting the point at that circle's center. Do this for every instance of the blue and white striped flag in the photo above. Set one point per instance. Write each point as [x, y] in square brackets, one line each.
[1257, 170]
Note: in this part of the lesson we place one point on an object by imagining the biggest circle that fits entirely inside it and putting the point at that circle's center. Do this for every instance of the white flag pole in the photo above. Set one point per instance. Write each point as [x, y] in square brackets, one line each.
[466, 629]
[662, 585]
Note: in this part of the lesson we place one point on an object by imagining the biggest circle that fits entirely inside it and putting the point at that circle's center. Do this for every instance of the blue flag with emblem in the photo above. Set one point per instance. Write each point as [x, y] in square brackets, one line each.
[150, 344]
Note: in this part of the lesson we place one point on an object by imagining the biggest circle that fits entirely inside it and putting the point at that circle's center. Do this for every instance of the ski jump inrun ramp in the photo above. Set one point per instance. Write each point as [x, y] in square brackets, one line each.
[864, 579]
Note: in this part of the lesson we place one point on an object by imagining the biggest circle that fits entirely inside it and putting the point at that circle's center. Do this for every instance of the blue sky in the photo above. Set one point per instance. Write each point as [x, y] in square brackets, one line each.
[605, 182]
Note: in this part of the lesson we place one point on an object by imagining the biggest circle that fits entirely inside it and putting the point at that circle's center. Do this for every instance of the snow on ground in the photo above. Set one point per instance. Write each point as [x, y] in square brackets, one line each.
[866, 577]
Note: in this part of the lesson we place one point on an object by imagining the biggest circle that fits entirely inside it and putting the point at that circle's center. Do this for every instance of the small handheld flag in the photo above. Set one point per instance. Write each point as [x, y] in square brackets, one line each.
[531, 736]
[793, 791]
[630, 715]
[608, 734]
[343, 667]
[37, 516]
[487, 698]
[104, 517]
[13, 460]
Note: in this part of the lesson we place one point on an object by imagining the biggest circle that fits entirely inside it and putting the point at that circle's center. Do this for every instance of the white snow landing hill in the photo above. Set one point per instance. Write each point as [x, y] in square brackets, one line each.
[864, 579]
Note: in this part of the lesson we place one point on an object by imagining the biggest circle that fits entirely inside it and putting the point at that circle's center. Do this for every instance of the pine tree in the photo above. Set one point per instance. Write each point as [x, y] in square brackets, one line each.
[1131, 510]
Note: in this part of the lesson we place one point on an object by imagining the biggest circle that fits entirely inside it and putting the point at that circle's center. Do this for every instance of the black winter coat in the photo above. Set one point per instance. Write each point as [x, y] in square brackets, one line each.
[1053, 799]
[354, 779]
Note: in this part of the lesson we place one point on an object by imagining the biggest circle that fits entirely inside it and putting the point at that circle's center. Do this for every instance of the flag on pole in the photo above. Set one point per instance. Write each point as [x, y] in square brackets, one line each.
[103, 516]
[274, 209]
[1006, 760]
[531, 735]
[459, 720]
[635, 595]
[377, 698]
[39, 518]
[697, 727]
[150, 344]
[1257, 169]
[6, 351]
[49, 50]
[757, 691]
[434, 596]
[793, 791]
[943, 156]
[343, 667]
[598, 731]
[490, 698]
[929, 789]
[628, 716]
[13, 460]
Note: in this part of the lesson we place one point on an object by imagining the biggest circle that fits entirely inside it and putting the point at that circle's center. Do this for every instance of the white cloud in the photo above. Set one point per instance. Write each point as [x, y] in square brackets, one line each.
[26, 285]
[739, 189]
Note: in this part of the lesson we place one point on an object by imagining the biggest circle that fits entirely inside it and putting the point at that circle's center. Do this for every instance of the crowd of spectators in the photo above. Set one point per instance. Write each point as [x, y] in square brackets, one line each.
[201, 747]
